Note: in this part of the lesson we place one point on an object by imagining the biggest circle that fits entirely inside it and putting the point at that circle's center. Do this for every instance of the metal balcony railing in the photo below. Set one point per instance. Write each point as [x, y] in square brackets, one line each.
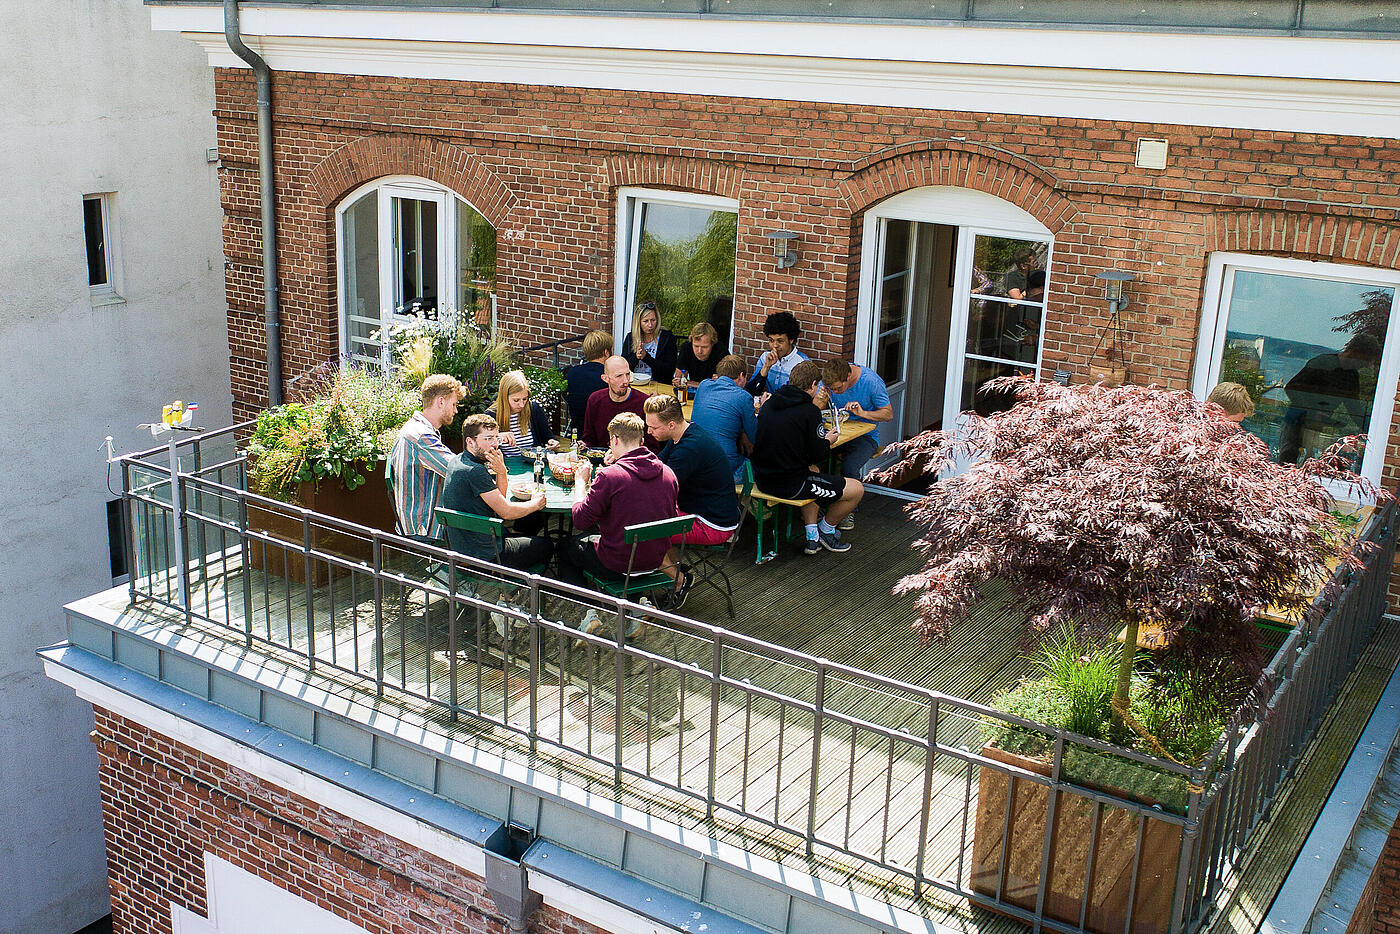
[863, 776]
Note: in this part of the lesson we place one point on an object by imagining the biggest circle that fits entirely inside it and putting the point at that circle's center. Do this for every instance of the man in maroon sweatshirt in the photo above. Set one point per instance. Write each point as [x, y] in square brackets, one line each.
[633, 487]
[607, 403]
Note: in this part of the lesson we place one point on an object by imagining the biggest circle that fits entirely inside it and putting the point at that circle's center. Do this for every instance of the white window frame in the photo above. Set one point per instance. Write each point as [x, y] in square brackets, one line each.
[109, 292]
[629, 207]
[1215, 319]
[388, 188]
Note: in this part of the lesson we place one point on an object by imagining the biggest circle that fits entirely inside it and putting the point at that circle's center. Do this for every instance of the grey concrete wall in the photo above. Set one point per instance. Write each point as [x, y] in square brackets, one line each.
[93, 102]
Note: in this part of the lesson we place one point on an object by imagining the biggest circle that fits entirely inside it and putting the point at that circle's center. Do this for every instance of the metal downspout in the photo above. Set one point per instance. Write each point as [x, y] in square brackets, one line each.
[272, 309]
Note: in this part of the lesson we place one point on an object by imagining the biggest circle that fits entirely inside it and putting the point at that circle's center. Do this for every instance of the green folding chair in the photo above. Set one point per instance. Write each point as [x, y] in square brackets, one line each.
[482, 525]
[644, 581]
[711, 559]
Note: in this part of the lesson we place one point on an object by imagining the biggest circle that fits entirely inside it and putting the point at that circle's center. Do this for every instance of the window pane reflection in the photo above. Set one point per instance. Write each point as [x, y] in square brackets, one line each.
[360, 262]
[685, 264]
[1008, 330]
[476, 264]
[1008, 267]
[1308, 351]
[976, 373]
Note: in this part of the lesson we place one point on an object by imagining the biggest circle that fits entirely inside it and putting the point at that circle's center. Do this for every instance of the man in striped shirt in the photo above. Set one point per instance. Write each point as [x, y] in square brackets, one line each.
[418, 464]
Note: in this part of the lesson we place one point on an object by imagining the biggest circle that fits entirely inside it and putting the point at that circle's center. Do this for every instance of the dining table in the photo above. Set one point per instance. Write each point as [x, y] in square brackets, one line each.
[851, 427]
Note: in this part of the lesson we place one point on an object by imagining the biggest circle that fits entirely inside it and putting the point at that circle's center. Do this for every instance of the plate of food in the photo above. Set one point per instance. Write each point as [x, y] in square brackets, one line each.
[532, 454]
[641, 377]
[596, 455]
[522, 489]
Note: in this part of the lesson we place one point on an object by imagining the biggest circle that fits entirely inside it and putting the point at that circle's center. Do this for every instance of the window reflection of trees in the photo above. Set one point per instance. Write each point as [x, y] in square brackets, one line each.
[686, 278]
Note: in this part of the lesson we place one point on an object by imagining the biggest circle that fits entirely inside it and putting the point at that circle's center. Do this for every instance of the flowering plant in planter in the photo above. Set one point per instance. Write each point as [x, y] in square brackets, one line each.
[345, 421]
[454, 345]
[1100, 508]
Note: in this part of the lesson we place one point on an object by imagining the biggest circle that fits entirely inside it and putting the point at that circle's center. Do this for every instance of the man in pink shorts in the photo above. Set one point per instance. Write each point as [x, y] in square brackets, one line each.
[706, 483]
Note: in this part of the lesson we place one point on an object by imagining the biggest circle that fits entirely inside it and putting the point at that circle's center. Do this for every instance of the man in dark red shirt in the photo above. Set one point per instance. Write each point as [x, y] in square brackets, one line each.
[606, 404]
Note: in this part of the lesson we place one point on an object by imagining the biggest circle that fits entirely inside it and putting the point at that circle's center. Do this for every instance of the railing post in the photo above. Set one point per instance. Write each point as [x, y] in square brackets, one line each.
[246, 555]
[377, 556]
[1048, 839]
[182, 555]
[534, 630]
[817, 723]
[715, 657]
[930, 755]
[620, 672]
[309, 568]
[1186, 859]
[129, 524]
[451, 641]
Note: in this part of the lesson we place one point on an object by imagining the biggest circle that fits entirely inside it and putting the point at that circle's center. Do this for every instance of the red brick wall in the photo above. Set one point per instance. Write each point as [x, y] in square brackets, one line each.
[164, 805]
[544, 164]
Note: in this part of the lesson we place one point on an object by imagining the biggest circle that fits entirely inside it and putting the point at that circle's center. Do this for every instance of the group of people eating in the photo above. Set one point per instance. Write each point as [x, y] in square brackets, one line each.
[659, 463]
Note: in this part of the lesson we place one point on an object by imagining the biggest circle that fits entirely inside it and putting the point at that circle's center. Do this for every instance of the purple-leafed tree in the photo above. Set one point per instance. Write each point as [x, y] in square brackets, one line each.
[1107, 507]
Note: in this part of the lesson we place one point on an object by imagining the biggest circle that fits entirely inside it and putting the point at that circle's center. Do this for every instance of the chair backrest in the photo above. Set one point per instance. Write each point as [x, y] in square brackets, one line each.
[471, 522]
[634, 535]
[659, 528]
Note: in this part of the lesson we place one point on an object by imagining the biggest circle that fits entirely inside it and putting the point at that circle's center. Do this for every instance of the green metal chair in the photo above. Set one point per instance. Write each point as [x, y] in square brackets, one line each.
[482, 525]
[711, 559]
[644, 581]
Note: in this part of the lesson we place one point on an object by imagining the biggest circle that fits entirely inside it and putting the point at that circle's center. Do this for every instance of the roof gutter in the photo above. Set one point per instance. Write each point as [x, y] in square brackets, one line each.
[272, 309]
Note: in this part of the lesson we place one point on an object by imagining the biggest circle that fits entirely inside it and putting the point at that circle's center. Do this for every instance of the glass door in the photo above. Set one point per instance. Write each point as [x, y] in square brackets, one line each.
[1004, 280]
[417, 233]
[889, 344]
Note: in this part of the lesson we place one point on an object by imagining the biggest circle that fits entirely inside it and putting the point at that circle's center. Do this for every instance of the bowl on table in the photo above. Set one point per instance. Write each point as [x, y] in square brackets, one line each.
[596, 455]
[522, 489]
[638, 378]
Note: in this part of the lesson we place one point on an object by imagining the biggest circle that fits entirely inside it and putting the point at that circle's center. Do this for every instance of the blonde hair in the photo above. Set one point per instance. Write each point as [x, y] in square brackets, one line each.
[596, 345]
[667, 408]
[511, 383]
[704, 329]
[1233, 398]
[440, 384]
[642, 309]
[627, 428]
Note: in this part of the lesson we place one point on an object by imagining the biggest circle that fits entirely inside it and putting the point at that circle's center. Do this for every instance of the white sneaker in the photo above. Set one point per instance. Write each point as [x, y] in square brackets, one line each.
[846, 524]
[591, 623]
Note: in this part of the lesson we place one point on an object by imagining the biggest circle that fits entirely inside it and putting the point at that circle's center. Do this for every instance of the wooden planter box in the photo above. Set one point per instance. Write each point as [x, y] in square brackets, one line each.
[1071, 838]
[367, 505]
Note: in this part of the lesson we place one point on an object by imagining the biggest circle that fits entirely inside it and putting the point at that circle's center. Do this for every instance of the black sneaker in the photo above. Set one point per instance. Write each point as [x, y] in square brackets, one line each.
[813, 546]
[831, 541]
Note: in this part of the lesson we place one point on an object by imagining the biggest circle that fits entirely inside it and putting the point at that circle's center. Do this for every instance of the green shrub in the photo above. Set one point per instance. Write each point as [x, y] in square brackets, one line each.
[349, 419]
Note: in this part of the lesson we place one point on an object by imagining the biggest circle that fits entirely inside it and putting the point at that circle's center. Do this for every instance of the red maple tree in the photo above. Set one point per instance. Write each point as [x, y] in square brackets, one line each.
[1116, 507]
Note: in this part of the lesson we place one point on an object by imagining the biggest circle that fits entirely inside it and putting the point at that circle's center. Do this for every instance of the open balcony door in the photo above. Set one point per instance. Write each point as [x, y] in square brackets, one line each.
[943, 305]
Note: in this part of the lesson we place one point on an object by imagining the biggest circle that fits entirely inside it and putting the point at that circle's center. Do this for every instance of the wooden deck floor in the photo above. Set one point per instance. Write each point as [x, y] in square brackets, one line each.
[869, 786]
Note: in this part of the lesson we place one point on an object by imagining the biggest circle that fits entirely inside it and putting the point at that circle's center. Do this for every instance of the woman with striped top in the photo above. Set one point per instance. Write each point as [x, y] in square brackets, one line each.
[522, 421]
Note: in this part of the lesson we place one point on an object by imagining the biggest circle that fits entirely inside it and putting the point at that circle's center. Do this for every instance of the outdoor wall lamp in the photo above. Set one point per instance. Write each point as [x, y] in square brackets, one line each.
[784, 247]
[1115, 288]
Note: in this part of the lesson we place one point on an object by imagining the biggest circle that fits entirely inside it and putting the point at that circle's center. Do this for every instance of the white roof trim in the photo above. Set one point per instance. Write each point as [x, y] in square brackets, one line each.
[1345, 86]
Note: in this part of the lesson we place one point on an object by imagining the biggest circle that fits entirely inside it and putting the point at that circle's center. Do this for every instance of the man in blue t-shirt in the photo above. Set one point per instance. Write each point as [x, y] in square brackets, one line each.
[861, 392]
[726, 411]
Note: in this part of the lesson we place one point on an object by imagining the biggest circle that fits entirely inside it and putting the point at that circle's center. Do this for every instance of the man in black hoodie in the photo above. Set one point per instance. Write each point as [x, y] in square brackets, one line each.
[789, 444]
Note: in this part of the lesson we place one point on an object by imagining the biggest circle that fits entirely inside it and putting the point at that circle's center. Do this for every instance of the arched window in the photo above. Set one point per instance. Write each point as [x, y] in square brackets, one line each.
[409, 249]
